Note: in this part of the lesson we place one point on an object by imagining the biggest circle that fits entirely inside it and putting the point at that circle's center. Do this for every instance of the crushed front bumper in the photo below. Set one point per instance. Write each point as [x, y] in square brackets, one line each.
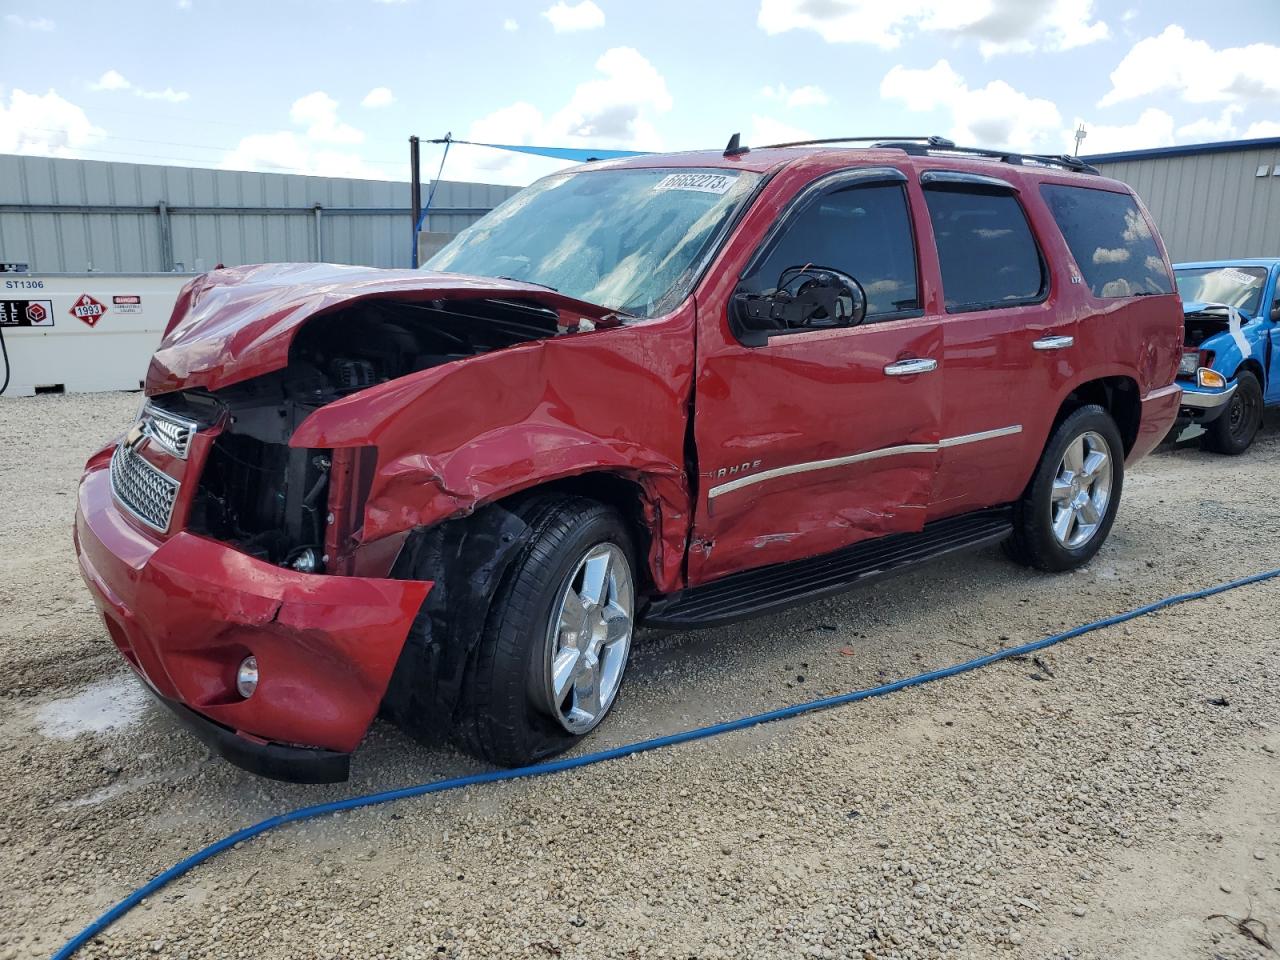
[1202, 405]
[186, 610]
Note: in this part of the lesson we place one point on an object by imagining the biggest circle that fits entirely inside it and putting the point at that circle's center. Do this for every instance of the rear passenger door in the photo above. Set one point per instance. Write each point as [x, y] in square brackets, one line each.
[1007, 344]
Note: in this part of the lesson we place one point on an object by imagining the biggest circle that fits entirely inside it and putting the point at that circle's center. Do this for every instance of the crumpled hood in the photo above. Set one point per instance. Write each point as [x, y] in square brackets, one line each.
[234, 324]
[1190, 307]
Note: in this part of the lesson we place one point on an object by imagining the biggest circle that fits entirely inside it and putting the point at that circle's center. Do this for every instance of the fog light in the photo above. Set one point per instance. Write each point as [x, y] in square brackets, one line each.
[1210, 378]
[305, 560]
[247, 677]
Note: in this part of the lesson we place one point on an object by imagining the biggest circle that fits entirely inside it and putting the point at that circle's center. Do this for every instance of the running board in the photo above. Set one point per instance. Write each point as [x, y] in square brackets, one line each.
[767, 589]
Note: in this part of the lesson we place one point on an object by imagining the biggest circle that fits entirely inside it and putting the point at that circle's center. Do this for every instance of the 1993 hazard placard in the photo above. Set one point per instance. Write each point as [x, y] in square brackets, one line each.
[88, 309]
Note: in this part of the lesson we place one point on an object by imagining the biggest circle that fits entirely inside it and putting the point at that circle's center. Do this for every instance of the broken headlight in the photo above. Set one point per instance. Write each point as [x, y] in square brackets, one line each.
[1187, 366]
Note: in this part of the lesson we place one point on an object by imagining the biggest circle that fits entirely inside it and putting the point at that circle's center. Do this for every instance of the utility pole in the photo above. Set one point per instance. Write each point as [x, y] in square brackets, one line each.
[1081, 133]
[415, 193]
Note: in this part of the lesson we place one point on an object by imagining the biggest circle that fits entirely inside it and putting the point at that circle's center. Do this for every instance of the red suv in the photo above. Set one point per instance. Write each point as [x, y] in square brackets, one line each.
[676, 390]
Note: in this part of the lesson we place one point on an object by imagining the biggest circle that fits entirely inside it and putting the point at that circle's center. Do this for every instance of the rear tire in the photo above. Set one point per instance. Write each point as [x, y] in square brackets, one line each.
[1233, 432]
[1067, 511]
[557, 638]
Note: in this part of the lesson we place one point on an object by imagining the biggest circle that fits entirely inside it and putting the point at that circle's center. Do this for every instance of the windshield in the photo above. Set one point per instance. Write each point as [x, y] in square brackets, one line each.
[1239, 287]
[630, 240]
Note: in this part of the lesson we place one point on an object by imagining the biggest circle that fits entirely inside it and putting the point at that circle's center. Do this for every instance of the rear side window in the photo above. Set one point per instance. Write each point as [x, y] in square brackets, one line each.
[987, 252]
[864, 231]
[1110, 239]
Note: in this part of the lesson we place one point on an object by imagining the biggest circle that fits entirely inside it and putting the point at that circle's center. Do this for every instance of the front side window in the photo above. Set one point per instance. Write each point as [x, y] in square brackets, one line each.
[1239, 287]
[1110, 240]
[631, 239]
[864, 231]
[986, 250]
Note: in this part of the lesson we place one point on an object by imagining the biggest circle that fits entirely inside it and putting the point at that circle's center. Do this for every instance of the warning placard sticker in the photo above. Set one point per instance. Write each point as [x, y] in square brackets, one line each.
[126, 303]
[88, 309]
[26, 313]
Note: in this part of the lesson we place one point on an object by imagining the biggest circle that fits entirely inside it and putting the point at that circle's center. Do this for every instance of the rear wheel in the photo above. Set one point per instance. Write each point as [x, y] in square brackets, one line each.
[558, 636]
[1233, 432]
[1066, 513]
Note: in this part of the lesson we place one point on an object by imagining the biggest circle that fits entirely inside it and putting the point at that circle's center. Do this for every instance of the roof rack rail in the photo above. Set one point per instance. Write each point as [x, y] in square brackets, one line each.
[1061, 160]
[923, 146]
[814, 143]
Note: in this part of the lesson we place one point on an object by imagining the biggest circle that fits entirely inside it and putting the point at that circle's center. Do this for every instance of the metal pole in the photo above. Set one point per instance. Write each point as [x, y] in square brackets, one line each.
[166, 238]
[319, 243]
[415, 192]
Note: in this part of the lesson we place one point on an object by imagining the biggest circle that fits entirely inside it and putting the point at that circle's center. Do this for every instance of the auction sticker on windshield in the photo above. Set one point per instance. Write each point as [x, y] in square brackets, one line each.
[702, 182]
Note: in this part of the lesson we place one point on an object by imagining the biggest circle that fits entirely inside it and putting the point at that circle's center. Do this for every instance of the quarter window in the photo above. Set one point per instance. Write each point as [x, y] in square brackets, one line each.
[864, 231]
[986, 250]
[1110, 240]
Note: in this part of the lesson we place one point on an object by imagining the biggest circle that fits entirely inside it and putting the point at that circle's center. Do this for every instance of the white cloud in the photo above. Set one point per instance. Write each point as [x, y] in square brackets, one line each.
[309, 151]
[996, 115]
[999, 26]
[614, 110]
[1174, 63]
[378, 97]
[41, 24]
[566, 18]
[44, 125]
[184, 4]
[168, 94]
[1153, 128]
[807, 96]
[510, 25]
[1262, 128]
[1207, 128]
[318, 112]
[114, 80]
[289, 152]
[767, 130]
[111, 80]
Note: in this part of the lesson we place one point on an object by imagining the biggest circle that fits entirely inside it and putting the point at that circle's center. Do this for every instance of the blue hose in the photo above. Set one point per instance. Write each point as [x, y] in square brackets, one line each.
[572, 763]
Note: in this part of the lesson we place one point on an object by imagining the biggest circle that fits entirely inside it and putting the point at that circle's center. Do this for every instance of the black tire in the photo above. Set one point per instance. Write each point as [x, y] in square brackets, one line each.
[1033, 542]
[1233, 432]
[501, 717]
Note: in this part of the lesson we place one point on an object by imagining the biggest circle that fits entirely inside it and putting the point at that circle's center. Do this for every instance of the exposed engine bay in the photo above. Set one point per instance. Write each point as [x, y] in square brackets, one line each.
[1205, 323]
[271, 500]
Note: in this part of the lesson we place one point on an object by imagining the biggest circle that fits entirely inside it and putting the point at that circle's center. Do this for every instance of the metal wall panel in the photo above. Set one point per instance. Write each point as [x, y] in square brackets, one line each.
[1210, 205]
[376, 230]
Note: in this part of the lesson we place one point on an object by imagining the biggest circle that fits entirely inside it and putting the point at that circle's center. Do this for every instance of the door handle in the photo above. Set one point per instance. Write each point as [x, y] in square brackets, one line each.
[909, 368]
[1052, 343]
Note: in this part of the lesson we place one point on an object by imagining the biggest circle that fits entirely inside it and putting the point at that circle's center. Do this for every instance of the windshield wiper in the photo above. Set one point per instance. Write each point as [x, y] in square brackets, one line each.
[545, 286]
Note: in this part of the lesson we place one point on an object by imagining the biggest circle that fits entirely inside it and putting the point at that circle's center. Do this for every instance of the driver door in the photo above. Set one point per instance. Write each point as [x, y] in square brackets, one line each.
[818, 438]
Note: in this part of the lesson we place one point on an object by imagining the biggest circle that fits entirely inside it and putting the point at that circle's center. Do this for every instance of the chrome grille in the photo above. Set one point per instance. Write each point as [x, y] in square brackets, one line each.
[170, 431]
[146, 492]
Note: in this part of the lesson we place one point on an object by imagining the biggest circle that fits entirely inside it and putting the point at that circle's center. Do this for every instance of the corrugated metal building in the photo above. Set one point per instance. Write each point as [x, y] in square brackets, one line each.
[64, 216]
[1211, 201]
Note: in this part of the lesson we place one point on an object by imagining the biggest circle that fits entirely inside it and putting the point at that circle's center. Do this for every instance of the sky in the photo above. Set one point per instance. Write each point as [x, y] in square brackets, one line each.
[335, 87]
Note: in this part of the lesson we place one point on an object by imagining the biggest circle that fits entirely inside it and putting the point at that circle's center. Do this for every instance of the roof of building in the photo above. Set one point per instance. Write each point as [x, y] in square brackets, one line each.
[1187, 150]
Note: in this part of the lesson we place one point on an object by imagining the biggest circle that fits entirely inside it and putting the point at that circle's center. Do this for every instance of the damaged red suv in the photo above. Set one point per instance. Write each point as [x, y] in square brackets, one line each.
[672, 390]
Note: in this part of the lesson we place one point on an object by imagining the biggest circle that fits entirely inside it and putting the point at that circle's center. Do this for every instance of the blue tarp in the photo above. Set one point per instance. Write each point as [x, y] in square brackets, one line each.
[560, 153]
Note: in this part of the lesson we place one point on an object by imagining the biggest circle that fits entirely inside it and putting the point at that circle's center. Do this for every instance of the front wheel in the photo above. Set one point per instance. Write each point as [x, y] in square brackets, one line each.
[1233, 432]
[1069, 506]
[558, 636]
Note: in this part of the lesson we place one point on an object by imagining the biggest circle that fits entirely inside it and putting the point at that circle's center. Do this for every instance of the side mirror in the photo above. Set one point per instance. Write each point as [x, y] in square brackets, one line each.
[806, 298]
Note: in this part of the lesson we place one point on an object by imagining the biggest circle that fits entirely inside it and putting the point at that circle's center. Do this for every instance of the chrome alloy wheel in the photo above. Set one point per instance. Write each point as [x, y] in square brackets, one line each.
[1081, 490]
[589, 638]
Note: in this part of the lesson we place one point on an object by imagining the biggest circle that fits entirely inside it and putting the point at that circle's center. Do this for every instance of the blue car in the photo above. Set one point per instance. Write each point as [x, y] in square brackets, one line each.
[1230, 370]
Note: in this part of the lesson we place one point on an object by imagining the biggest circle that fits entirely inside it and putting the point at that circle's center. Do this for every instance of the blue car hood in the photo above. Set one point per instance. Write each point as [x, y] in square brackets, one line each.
[1195, 306]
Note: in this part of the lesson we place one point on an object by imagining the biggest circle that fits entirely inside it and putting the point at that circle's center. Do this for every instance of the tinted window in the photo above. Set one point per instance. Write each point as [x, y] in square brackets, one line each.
[864, 231]
[988, 256]
[1110, 239]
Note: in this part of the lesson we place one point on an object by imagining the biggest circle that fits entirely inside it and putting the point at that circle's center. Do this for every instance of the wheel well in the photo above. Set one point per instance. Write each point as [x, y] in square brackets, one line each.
[1254, 367]
[625, 496]
[1117, 395]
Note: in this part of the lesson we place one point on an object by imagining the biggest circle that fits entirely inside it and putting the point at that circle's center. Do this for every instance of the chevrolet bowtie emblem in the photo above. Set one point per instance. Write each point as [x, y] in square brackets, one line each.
[134, 436]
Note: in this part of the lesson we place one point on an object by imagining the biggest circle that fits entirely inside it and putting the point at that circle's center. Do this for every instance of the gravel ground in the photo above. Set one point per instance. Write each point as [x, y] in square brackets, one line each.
[1099, 802]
